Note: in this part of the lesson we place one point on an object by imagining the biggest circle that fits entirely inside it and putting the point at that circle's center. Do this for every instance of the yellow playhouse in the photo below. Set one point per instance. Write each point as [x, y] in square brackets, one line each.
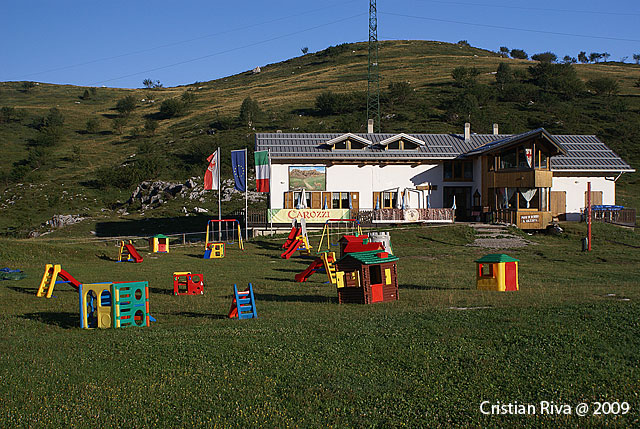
[159, 244]
[497, 271]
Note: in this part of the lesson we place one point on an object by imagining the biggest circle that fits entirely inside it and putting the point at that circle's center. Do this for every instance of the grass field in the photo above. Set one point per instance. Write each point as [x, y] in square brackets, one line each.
[570, 335]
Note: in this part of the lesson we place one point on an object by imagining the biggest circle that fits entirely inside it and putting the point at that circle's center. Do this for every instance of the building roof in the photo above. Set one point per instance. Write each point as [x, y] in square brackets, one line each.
[580, 152]
[370, 257]
[493, 258]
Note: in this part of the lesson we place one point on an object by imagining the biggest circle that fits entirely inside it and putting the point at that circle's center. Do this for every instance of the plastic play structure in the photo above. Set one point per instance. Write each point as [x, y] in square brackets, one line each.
[338, 228]
[128, 253]
[297, 240]
[498, 272]
[243, 305]
[327, 260]
[50, 279]
[357, 243]
[367, 277]
[218, 232]
[185, 283]
[114, 305]
[159, 244]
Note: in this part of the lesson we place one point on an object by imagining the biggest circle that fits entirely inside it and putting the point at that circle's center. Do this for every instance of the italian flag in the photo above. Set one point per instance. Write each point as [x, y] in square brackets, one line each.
[262, 170]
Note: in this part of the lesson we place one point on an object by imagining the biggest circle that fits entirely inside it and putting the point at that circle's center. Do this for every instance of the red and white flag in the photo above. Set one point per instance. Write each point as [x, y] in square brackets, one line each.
[212, 175]
[262, 170]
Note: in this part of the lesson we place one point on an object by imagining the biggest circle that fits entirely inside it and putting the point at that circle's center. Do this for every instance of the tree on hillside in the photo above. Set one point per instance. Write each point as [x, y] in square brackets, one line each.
[399, 92]
[172, 107]
[126, 105]
[249, 111]
[28, 86]
[148, 83]
[545, 57]
[568, 59]
[304, 50]
[559, 78]
[465, 77]
[582, 57]
[594, 57]
[150, 126]
[119, 124]
[504, 51]
[519, 54]
[606, 56]
[92, 125]
[636, 58]
[463, 43]
[50, 128]
[604, 86]
[504, 75]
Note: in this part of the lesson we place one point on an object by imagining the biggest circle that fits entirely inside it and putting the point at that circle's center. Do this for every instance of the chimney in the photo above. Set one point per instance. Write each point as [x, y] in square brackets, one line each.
[467, 131]
[370, 126]
[495, 129]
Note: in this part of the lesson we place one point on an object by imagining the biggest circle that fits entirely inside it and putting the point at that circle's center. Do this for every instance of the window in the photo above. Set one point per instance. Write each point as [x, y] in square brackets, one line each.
[486, 270]
[375, 274]
[534, 204]
[389, 199]
[297, 195]
[542, 160]
[522, 158]
[508, 159]
[340, 200]
[348, 144]
[402, 145]
[458, 170]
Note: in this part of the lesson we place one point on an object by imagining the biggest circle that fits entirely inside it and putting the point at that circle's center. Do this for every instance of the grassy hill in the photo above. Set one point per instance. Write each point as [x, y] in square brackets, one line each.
[78, 173]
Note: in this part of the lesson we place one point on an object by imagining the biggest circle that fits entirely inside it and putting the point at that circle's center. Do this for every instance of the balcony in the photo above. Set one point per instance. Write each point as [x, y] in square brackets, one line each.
[519, 179]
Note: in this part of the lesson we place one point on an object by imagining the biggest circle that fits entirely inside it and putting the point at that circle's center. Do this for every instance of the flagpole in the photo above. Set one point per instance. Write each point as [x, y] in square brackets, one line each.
[269, 196]
[246, 199]
[219, 186]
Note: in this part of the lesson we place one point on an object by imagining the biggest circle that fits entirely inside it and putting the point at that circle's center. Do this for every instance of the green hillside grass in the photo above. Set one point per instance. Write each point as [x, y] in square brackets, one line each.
[570, 335]
[286, 93]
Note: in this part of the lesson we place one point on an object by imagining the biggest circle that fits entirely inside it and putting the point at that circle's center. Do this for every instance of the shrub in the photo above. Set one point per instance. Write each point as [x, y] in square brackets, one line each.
[545, 57]
[150, 126]
[399, 92]
[465, 77]
[249, 111]
[604, 86]
[93, 125]
[519, 54]
[188, 97]
[172, 107]
[126, 105]
[119, 124]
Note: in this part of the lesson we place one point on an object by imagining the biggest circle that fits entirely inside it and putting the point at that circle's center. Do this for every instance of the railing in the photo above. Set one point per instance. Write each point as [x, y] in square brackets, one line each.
[615, 215]
[410, 215]
[507, 216]
[256, 217]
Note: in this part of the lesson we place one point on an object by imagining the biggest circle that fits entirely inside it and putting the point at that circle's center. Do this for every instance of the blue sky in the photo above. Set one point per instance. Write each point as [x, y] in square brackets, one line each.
[119, 43]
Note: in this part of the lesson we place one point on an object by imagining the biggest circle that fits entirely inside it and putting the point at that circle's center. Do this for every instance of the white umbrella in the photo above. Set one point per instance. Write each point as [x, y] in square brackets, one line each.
[303, 200]
[454, 203]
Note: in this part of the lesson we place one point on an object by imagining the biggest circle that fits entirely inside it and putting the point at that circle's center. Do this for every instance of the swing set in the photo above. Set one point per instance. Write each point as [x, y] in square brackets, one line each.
[219, 232]
[340, 227]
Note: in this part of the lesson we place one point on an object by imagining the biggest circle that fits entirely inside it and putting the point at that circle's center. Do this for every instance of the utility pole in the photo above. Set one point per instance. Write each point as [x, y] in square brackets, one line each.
[373, 75]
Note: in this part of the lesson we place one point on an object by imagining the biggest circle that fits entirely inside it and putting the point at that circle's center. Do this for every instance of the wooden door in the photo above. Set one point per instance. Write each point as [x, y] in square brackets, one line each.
[355, 202]
[316, 200]
[288, 200]
[558, 203]
[596, 198]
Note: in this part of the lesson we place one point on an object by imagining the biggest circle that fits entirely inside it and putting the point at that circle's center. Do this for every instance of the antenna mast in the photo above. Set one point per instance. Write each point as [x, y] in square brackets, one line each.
[373, 76]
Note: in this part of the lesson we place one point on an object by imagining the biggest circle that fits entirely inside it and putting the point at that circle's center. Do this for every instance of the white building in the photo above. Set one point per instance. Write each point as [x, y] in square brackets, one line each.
[524, 179]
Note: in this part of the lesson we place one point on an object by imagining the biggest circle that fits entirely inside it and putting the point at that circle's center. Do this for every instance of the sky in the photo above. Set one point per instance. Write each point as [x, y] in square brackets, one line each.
[119, 43]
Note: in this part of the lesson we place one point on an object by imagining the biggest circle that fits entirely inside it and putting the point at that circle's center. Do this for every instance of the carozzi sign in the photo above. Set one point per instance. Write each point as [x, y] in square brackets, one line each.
[309, 215]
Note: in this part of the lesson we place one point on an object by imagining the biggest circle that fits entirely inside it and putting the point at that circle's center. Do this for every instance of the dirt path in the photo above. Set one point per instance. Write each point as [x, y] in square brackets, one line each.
[496, 237]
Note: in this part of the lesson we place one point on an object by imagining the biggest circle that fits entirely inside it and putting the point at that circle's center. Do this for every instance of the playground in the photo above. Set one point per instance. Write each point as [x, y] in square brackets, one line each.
[570, 334]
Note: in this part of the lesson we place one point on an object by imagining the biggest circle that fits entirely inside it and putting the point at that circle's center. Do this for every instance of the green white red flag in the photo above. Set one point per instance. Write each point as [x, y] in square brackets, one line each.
[262, 170]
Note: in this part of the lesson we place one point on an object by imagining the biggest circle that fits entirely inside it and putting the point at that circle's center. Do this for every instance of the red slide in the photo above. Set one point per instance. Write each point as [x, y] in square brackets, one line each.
[295, 231]
[291, 249]
[69, 278]
[303, 276]
[133, 252]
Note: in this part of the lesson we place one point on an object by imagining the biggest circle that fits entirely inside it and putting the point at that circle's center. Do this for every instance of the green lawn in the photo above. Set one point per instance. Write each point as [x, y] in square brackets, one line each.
[307, 361]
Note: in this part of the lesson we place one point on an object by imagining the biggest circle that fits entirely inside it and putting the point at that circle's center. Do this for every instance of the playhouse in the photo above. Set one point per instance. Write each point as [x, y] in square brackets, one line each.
[498, 272]
[357, 243]
[159, 244]
[367, 277]
[114, 305]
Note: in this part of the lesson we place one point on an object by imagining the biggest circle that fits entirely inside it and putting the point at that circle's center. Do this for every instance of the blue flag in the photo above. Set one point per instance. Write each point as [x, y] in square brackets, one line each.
[239, 166]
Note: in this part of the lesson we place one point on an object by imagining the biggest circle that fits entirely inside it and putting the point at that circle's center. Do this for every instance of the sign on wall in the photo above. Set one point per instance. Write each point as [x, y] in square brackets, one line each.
[308, 178]
[309, 215]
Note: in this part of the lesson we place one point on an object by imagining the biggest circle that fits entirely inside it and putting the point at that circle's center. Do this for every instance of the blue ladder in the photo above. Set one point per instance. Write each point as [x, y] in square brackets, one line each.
[245, 303]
